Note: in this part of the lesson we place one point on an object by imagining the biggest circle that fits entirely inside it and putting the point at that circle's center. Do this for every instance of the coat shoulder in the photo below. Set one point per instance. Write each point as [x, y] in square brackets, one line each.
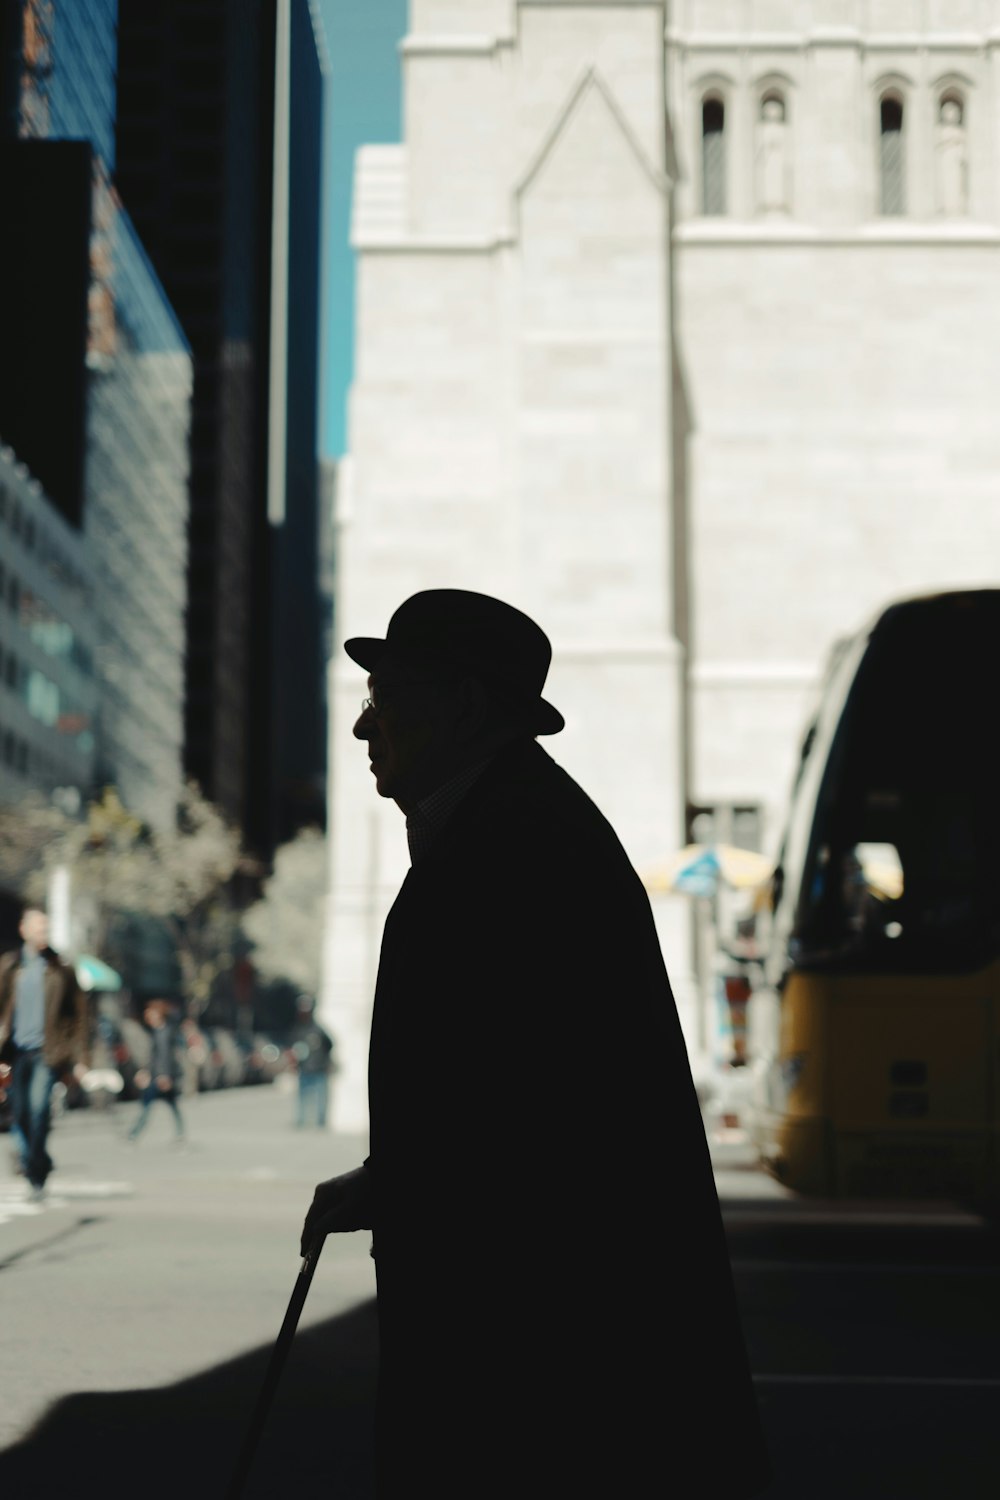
[550, 813]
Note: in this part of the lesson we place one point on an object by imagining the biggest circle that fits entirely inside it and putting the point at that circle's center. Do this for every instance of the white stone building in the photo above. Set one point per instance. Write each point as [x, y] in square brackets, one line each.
[837, 266]
[510, 419]
[698, 433]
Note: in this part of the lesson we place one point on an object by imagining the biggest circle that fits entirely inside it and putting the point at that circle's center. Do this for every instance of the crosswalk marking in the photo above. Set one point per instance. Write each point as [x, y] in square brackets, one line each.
[15, 1201]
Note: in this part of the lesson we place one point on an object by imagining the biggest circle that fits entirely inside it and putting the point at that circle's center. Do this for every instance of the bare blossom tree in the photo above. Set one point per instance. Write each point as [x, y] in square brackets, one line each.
[286, 924]
[179, 874]
[30, 830]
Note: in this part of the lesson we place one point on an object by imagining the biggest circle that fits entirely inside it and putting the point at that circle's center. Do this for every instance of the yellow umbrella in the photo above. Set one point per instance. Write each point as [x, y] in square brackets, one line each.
[698, 868]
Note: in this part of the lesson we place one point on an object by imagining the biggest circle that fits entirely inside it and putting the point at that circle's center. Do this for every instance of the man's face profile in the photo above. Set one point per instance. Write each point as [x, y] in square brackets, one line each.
[408, 731]
[35, 929]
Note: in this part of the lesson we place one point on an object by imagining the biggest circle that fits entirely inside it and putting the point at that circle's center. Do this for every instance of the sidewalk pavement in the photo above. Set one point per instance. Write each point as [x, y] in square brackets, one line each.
[147, 1262]
[165, 1273]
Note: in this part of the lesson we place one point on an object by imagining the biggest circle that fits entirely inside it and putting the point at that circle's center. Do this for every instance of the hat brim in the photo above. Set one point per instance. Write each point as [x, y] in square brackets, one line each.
[367, 651]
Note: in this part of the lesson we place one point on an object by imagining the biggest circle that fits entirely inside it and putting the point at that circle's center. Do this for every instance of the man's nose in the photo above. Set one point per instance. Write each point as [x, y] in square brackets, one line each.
[363, 726]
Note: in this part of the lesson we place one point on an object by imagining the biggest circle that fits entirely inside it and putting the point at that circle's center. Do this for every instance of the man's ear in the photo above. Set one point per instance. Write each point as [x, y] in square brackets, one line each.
[473, 705]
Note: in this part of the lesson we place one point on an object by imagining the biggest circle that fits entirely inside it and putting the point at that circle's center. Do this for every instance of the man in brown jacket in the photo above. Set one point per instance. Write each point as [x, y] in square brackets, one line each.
[43, 1032]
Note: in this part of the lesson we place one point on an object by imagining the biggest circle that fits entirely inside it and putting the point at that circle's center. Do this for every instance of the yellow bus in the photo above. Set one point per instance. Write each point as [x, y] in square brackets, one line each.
[874, 1035]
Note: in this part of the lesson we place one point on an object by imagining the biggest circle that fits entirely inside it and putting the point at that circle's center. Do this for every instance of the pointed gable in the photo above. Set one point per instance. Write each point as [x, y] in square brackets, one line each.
[591, 219]
[580, 97]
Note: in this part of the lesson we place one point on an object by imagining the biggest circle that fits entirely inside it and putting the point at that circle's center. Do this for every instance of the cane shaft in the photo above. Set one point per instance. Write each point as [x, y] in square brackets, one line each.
[275, 1365]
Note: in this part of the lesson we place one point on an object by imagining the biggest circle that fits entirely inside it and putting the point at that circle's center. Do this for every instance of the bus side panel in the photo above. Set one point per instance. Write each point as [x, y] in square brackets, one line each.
[801, 1149]
[912, 1072]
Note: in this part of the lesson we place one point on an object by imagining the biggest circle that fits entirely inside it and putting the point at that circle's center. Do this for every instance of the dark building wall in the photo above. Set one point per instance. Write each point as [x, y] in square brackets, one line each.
[195, 166]
[10, 67]
[194, 161]
[44, 281]
[299, 696]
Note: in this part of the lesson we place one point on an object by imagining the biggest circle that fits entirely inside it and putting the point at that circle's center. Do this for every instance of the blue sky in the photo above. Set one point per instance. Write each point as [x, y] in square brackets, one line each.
[362, 104]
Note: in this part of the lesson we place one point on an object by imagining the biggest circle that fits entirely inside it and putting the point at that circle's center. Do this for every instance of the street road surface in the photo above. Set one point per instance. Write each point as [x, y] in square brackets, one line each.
[138, 1308]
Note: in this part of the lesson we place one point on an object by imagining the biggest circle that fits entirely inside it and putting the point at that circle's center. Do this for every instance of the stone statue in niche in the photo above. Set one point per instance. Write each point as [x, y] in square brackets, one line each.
[952, 161]
[772, 158]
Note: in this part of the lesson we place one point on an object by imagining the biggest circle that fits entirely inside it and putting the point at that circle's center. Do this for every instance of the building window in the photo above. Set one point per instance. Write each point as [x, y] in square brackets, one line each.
[892, 163]
[738, 824]
[713, 157]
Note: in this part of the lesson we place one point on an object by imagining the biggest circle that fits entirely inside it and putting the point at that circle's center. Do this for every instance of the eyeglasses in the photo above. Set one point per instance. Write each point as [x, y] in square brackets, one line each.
[376, 703]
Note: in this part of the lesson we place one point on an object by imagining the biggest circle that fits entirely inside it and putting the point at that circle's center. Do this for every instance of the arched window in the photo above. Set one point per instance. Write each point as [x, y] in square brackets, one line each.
[713, 156]
[892, 159]
[951, 108]
[772, 106]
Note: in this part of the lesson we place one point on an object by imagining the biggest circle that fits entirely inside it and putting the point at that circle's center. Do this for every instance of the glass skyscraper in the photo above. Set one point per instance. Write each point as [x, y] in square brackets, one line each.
[48, 682]
[95, 380]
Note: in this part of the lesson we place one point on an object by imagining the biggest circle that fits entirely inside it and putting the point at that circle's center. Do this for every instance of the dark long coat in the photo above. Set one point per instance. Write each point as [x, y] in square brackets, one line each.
[556, 1307]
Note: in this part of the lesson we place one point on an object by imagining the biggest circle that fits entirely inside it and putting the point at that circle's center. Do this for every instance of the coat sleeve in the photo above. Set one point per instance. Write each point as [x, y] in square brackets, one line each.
[6, 1000]
[81, 1019]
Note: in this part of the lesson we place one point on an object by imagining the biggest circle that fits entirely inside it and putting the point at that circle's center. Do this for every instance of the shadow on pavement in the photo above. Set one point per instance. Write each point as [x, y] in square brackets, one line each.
[826, 1442]
[184, 1439]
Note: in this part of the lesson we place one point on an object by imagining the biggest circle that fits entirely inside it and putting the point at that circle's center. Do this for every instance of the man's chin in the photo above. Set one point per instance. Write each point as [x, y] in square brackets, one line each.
[383, 781]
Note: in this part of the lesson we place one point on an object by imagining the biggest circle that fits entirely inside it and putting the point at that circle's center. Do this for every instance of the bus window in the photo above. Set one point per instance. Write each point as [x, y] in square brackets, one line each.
[910, 772]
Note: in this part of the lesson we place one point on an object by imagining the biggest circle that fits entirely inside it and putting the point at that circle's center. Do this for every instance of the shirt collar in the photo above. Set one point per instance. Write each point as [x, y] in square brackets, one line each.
[426, 820]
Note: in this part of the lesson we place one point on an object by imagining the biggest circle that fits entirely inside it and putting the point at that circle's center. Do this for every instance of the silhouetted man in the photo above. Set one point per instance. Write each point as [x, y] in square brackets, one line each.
[44, 1030]
[556, 1307]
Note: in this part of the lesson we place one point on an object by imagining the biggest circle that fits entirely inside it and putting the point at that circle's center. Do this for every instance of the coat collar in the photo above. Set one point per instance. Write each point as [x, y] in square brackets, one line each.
[520, 760]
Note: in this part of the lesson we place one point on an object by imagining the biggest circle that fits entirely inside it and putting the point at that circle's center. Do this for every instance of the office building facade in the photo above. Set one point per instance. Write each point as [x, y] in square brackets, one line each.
[49, 691]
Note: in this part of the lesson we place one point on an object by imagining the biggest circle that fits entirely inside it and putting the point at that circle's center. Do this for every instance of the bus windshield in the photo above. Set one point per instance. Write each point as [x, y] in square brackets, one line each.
[902, 870]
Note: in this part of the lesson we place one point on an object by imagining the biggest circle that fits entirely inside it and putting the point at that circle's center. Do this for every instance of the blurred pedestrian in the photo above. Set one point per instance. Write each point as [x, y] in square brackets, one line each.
[556, 1307]
[312, 1049]
[162, 1079]
[44, 1031]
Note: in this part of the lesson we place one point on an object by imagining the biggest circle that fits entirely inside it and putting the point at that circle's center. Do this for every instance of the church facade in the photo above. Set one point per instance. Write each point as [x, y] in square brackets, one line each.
[837, 258]
[675, 329]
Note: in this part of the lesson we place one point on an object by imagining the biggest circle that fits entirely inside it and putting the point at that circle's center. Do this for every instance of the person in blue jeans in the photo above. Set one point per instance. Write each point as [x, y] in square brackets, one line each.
[312, 1049]
[162, 1079]
[44, 1031]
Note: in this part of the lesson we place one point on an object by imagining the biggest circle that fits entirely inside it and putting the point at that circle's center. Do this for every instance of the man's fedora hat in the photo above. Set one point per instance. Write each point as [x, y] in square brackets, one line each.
[495, 641]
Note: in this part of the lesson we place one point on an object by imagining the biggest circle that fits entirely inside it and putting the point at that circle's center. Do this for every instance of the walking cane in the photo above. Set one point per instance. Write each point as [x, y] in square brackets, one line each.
[274, 1368]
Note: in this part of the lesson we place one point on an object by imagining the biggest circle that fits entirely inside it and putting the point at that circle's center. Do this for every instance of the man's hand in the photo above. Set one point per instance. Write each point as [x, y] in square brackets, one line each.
[142, 1078]
[339, 1206]
[80, 1071]
[164, 1084]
